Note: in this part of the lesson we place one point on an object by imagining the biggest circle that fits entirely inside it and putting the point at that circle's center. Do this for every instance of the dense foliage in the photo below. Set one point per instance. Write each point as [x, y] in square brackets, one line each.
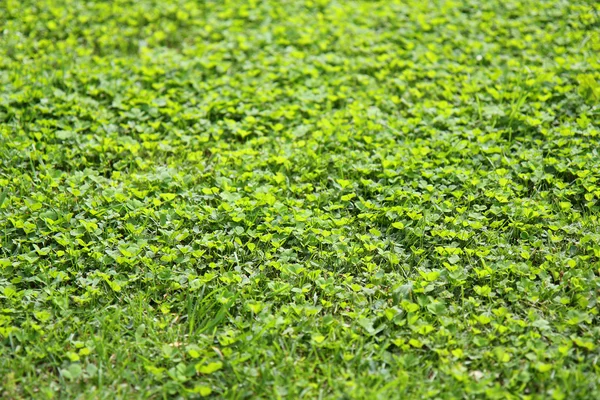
[285, 199]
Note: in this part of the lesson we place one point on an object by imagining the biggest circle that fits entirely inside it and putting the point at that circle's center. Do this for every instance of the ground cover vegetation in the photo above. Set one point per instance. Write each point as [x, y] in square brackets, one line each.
[299, 199]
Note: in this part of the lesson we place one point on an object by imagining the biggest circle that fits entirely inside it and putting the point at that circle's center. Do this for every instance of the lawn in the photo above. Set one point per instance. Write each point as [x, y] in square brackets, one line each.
[299, 199]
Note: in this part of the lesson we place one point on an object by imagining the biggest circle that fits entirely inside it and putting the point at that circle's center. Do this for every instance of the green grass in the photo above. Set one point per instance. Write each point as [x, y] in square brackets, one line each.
[299, 199]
